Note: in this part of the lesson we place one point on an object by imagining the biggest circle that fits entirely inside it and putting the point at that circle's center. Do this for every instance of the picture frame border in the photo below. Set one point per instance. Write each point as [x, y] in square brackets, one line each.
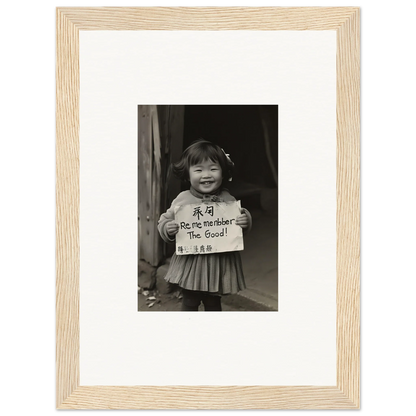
[346, 22]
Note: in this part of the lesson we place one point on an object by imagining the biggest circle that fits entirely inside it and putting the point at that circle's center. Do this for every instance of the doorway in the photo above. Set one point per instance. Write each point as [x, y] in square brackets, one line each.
[249, 133]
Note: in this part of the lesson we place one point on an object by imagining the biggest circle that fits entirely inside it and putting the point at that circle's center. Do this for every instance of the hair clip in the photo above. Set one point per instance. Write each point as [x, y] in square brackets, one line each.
[227, 155]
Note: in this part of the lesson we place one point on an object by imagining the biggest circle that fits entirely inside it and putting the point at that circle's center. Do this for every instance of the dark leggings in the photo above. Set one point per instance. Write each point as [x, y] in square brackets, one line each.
[191, 299]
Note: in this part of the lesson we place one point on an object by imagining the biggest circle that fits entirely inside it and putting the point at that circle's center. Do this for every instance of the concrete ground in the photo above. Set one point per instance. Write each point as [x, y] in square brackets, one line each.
[260, 264]
[154, 301]
[260, 260]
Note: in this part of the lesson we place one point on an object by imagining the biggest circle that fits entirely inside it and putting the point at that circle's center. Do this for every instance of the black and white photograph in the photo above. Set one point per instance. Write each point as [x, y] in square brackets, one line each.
[208, 207]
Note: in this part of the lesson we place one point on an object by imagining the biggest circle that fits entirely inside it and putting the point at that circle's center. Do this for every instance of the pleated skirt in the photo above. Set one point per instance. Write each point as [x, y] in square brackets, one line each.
[220, 273]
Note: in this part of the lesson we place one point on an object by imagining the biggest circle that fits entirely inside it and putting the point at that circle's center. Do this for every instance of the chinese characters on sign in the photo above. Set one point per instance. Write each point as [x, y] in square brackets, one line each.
[208, 228]
[198, 212]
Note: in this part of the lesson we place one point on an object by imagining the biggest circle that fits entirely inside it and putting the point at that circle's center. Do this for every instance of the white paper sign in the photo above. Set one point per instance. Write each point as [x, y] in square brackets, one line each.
[208, 228]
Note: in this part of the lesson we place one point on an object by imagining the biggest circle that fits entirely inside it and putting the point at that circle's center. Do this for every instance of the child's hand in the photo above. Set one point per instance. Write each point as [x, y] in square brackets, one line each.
[242, 220]
[172, 228]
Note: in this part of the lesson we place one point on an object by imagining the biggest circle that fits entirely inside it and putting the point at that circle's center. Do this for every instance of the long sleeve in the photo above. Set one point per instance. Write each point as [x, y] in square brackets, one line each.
[182, 199]
[250, 220]
[168, 216]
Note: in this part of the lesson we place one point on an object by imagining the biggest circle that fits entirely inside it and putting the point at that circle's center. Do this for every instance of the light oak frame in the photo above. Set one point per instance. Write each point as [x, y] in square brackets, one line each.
[346, 394]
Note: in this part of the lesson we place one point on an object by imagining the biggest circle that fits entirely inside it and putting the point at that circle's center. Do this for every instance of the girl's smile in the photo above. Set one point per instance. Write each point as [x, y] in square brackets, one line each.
[206, 176]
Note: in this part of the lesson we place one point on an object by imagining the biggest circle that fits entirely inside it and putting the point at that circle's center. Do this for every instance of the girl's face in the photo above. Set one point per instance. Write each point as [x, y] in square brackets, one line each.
[205, 177]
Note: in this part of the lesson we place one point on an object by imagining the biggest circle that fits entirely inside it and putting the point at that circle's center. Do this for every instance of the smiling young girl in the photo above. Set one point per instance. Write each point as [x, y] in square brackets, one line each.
[204, 277]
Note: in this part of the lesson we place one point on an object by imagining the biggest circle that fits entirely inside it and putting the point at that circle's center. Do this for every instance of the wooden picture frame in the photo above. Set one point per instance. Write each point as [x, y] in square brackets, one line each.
[70, 394]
